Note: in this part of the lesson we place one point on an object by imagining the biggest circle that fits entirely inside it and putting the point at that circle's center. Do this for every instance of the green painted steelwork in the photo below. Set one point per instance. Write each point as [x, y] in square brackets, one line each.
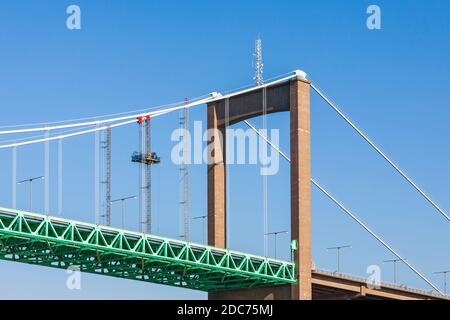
[60, 243]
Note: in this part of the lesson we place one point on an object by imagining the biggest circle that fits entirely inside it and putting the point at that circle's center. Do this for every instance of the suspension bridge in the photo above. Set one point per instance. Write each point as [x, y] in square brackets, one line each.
[53, 241]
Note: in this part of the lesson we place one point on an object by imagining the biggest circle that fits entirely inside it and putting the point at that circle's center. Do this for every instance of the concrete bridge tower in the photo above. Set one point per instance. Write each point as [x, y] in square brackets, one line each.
[291, 96]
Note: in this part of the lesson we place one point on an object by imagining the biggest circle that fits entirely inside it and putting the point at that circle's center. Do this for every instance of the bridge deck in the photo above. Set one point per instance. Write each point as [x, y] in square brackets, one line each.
[60, 243]
[337, 286]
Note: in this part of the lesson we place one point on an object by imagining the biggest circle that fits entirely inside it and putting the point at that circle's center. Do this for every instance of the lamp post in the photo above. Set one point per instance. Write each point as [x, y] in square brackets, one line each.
[203, 225]
[338, 250]
[394, 262]
[275, 234]
[445, 278]
[122, 202]
[30, 189]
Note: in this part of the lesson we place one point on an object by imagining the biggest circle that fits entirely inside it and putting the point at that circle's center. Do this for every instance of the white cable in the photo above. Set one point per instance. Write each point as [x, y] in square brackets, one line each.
[32, 138]
[97, 171]
[41, 135]
[265, 184]
[60, 176]
[254, 88]
[64, 136]
[98, 116]
[268, 141]
[14, 178]
[78, 133]
[96, 122]
[373, 234]
[270, 81]
[47, 174]
[378, 150]
[348, 212]
[211, 98]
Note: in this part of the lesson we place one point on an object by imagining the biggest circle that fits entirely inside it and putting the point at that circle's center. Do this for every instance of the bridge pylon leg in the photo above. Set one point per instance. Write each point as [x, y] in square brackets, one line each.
[216, 180]
[301, 186]
[294, 97]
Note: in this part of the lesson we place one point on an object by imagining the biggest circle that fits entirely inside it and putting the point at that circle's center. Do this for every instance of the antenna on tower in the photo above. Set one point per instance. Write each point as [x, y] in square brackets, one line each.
[257, 56]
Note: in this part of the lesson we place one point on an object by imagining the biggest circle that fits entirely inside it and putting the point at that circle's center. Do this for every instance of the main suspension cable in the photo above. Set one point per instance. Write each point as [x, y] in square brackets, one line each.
[378, 150]
[95, 129]
[348, 212]
[143, 112]
[97, 122]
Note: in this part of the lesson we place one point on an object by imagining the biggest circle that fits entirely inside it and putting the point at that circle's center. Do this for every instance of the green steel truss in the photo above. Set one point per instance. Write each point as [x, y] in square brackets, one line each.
[60, 243]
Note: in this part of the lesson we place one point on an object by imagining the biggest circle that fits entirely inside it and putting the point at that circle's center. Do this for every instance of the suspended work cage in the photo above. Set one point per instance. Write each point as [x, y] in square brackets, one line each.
[146, 158]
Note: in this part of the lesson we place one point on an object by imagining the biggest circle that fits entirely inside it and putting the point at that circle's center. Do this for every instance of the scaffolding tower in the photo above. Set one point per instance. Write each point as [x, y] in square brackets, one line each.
[184, 173]
[106, 147]
[146, 158]
[257, 56]
[148, 178]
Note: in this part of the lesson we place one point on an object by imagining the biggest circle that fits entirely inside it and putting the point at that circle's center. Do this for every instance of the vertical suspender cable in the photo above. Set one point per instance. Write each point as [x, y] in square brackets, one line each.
[47, 175]
[180, 179]
[97, 184]
[148, 179]
[350, 214]
[60, 176]
[373, 234]
[265, 179]
[186, 173]
[14, 178]
[108, 177]
[227, 174]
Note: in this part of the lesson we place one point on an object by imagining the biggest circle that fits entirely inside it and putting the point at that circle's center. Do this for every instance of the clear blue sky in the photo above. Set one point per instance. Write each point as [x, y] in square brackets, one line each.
[393, 82]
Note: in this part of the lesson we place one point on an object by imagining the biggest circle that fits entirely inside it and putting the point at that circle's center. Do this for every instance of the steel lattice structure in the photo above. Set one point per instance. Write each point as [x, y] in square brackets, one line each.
[60, 243]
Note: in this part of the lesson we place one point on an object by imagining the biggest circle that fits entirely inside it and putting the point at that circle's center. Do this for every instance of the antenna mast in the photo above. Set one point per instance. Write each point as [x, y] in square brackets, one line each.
[258, 62]
[259, 81]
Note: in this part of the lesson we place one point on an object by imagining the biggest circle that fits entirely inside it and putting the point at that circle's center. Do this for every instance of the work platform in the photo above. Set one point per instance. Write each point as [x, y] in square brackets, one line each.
[148, 158]
[60, 243]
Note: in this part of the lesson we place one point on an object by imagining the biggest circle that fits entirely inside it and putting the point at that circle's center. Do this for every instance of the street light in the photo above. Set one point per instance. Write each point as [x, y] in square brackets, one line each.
[394, 262]
[275, 233]
[338, 249]
[445, 278]
[30, 192]
[122, 201]
[203, 225]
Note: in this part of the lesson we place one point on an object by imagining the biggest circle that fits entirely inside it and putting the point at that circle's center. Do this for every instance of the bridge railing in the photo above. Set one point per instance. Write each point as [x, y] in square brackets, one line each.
[381, 284]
